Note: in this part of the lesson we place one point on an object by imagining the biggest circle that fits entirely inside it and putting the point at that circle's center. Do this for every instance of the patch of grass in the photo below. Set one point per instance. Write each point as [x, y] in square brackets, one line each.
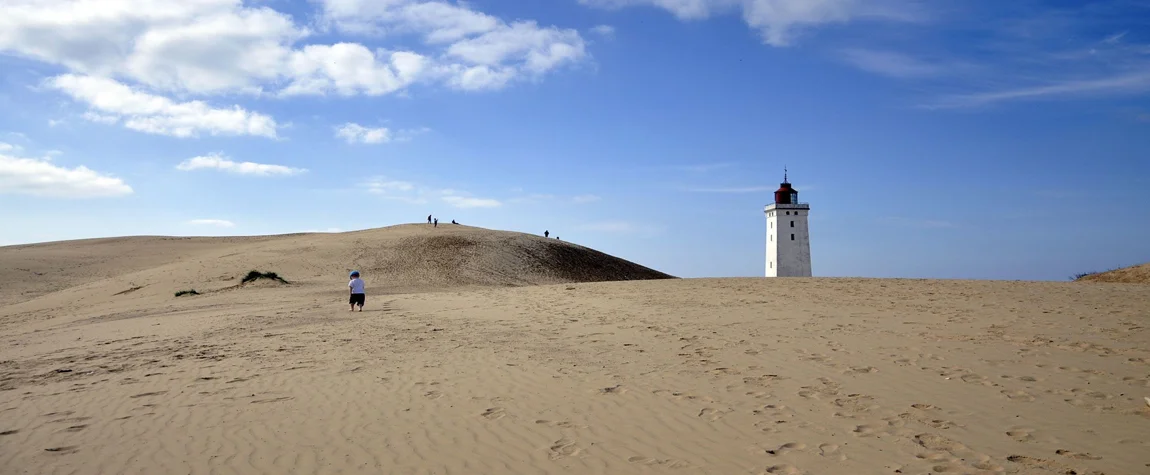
[255, 275]
[1088, 274]
[187, 292]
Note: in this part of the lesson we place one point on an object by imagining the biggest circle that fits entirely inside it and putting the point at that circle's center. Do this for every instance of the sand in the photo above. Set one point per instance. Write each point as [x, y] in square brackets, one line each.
[1138, 274]
[684, 376]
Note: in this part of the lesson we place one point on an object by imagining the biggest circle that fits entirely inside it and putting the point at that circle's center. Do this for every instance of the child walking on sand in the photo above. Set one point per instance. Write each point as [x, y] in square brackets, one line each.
[357, 295]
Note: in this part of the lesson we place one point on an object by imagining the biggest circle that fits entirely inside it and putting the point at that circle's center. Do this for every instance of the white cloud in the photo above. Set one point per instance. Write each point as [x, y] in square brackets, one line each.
[1115, 38]
[469, 202]
[778, 21]
[7, 147]
[350, 68]
[226, 46]
[355, 133]
[380, 186]
[583, 199]
[889, 63]
[216, 161]
[180, 45]
[606, 31]
[412, 193]
[406, 135]
[1125, 83]
[112, 102]
[34, 177]
[478, 52]
[437, 21]
[100, 118]
[221, 223]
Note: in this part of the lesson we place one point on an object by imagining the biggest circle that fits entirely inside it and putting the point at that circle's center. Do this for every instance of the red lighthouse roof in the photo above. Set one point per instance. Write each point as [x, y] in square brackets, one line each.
[786, 195]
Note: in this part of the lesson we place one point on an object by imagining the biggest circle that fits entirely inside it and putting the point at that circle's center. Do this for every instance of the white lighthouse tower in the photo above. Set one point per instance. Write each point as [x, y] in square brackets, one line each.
[788, 243]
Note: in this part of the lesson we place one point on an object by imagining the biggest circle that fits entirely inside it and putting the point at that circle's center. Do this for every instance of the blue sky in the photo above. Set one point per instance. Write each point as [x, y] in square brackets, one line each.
[941, 139]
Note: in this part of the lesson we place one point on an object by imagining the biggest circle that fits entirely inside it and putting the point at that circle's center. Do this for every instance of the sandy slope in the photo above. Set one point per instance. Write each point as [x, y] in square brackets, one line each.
[1139, 274]
[408, 257]
[723, 376]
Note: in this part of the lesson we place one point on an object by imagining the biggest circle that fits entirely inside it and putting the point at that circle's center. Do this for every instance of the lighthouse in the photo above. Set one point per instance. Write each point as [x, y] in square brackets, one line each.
[788, 242]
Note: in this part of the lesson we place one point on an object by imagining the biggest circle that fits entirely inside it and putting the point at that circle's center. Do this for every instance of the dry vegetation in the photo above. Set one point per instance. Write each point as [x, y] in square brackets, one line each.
[1139, 274]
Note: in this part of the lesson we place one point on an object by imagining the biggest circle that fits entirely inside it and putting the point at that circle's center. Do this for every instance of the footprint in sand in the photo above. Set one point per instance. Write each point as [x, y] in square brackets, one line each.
[157, 393]
[952, 467]
[669, 463]
[1077, 455]
[788, 447]
[711, 414]
[560, 424]
[861, 370]
[935, 457]
[433, 395]
[10, 432]
[67, 449]
[76, 428]
[865, 430]
[937, 442]
[563, 448]
[1032, 462]
[1018, 395]
[784, 470]
[493, 414]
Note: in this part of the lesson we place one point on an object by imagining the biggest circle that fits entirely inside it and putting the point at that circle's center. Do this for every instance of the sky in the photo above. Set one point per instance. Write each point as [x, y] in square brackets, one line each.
[933, 139]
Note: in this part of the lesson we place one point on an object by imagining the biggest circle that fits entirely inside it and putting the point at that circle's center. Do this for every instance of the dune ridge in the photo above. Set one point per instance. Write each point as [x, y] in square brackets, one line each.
[412, 257]
[1139, 274]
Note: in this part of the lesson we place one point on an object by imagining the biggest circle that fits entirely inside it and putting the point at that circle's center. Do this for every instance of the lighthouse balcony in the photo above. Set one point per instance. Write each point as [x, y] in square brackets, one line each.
[788, 206]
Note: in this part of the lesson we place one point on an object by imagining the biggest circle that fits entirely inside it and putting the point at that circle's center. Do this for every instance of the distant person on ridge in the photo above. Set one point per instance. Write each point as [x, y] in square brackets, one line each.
[546, 234]
[429, 219]
[436, 225]
[358, 297]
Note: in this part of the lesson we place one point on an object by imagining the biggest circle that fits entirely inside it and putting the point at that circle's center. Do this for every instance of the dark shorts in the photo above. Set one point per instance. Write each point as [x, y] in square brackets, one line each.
[357, 299]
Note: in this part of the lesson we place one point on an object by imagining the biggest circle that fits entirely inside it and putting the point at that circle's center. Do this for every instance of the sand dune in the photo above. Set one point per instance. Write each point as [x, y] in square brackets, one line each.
[463, 374]
[1139, 274]
[406, 257]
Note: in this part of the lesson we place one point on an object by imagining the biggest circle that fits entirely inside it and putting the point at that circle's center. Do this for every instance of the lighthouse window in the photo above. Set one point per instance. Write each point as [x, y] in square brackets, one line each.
[792, 237]
[772, 264]
[792, 224]
[788, 213]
